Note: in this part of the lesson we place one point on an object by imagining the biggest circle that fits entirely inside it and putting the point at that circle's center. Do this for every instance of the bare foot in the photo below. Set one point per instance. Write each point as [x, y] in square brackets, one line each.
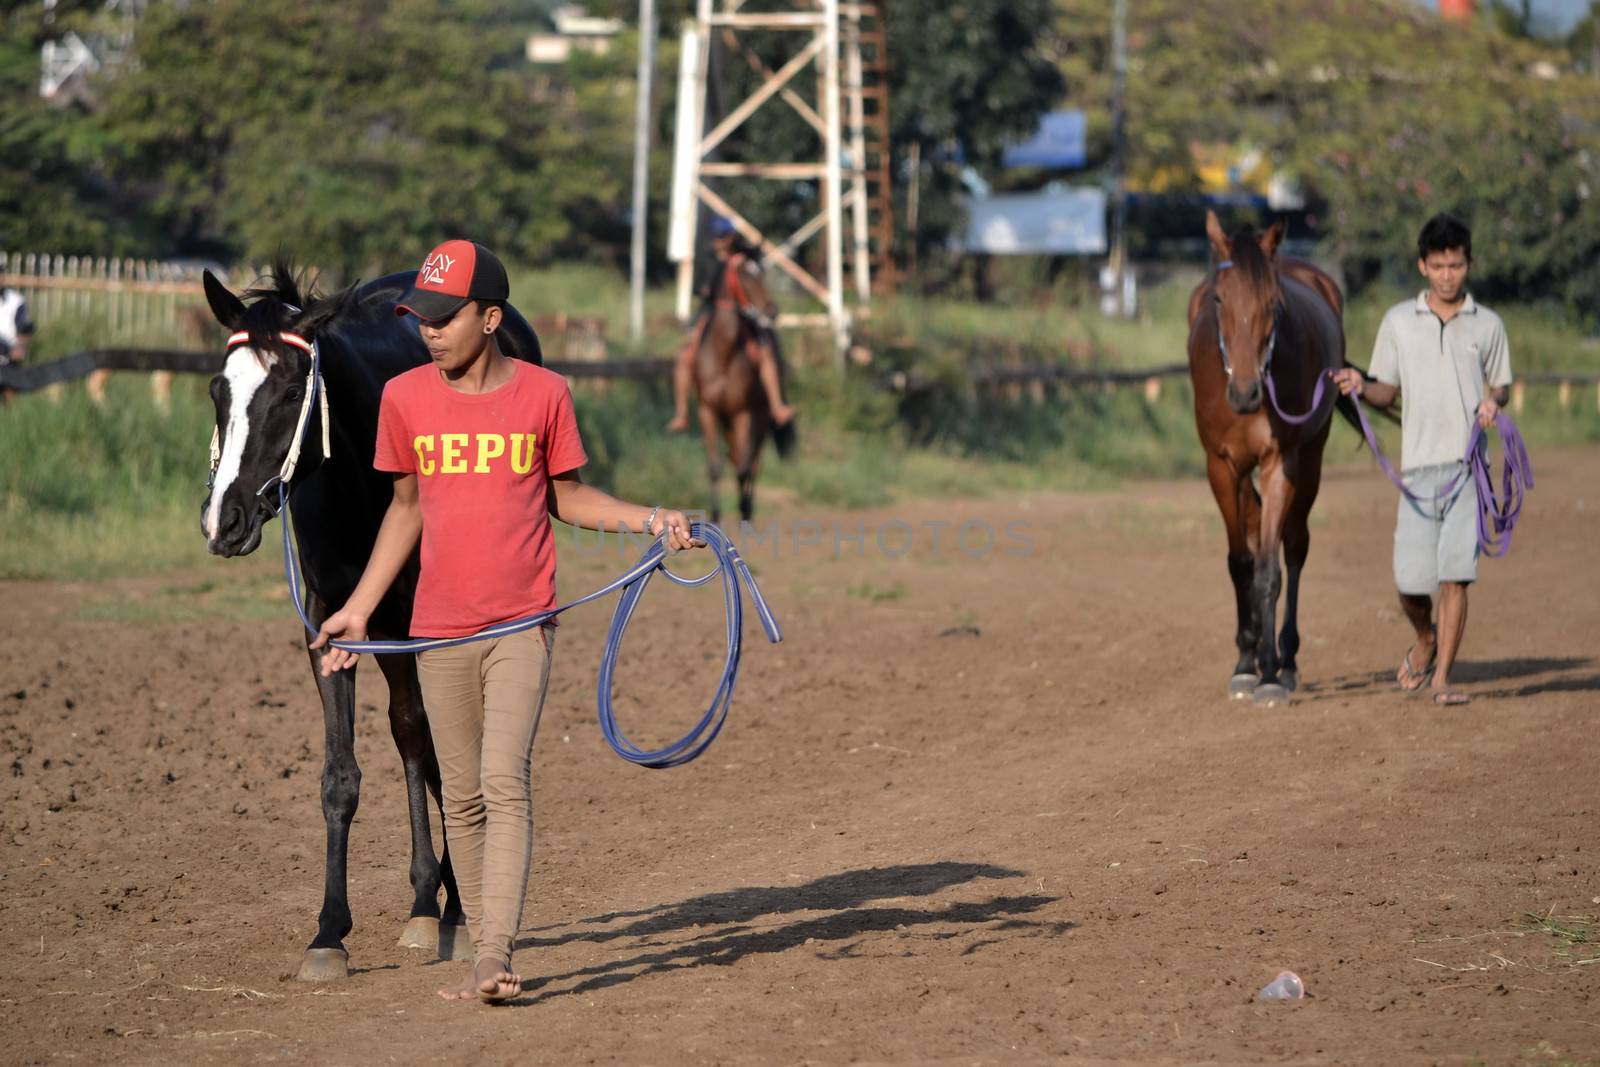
[490, 982]
[678, 424]
[783, 414]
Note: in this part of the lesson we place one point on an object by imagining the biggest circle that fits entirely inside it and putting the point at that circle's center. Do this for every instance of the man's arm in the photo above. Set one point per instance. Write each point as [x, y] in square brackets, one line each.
[1351, 383]
[1382, 387]
[1496, 374]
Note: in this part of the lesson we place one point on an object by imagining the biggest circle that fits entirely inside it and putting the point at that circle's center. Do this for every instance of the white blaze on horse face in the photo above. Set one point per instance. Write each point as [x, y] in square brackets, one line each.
[245, 373]
[11, 305]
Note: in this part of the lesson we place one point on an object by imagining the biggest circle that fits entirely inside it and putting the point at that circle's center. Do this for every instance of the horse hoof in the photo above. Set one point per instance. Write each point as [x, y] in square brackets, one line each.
[1242, 685]
[324, 965]
[422, 931]
[455, 942]
[1289, 679]
[1270, 696]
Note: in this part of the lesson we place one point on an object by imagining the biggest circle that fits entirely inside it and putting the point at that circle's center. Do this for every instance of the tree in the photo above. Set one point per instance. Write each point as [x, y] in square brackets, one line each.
[1385, 113]
[356, 135]
[54, 197]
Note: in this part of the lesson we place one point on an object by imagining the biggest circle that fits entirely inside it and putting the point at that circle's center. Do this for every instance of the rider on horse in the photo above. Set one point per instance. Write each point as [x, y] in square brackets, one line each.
[733, 262]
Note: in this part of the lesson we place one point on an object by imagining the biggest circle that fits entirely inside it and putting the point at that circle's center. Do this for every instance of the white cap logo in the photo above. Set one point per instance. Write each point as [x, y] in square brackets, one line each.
[434, 270]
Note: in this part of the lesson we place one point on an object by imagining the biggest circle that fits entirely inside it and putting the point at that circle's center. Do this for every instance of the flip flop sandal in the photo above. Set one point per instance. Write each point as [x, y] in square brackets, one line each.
[1411, 679]
[1450, 698]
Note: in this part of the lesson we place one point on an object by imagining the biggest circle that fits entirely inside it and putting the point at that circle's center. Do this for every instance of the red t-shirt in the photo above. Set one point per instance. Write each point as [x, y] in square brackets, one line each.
[483, 464]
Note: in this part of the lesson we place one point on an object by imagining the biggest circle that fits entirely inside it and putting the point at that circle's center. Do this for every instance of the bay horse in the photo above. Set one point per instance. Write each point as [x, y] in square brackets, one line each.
[732, 405]
[1264, 333]
[338, 502]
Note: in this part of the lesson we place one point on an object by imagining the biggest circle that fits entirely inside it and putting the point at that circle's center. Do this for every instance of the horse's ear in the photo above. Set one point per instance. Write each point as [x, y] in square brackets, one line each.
[1272, 239]
[1219, 240]
[228, 308]
[324, 311]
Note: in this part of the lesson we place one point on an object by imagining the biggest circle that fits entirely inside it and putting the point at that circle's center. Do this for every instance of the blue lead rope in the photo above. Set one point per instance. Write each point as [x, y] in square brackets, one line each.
[730, 565]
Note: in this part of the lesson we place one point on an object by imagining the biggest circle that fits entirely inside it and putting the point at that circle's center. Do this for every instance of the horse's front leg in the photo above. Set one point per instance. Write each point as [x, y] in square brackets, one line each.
[708, 431]
[1296, 547]
[742, 445]
[326, 958]
[1236, 500]
[426, 929]
[1277, 498]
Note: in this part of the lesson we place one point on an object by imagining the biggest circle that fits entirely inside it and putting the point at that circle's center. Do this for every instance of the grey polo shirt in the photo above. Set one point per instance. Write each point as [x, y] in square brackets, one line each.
[1441, 368]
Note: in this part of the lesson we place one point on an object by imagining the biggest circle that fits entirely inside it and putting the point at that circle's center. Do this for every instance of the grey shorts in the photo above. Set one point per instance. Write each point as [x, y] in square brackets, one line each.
[1436, 540]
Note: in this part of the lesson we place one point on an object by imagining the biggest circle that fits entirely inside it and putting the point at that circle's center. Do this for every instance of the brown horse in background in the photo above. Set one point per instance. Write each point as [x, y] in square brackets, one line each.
[1255, 315]
[732, 404]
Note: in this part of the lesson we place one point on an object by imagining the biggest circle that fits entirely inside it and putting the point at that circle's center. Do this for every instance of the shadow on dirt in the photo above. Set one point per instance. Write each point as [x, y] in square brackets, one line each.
[1470, 672]
[725, 927]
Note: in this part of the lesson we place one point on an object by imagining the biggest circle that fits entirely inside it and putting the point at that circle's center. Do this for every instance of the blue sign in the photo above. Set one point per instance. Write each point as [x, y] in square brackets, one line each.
[1060, 143]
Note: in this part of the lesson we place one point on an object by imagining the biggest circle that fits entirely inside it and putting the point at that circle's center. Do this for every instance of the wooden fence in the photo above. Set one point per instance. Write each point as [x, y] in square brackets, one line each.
[1014, 383]
[131, 303]
[112, 300]
[140, 302]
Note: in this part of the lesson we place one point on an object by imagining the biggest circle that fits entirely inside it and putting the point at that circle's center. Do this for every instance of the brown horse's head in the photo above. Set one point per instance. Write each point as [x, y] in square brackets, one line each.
[1246, 301]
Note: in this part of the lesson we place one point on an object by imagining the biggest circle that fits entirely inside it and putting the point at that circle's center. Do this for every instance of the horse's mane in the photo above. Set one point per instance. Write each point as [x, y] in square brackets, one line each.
[287, 295]
[1252, 264]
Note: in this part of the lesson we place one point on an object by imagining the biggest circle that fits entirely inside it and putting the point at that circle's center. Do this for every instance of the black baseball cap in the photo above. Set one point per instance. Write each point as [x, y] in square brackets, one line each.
[454, 273]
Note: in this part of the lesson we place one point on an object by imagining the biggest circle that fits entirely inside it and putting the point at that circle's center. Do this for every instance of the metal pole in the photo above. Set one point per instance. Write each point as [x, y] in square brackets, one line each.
[641, 165]
[858, 158]
[832, 193]
[697, 119]
[1119, 197]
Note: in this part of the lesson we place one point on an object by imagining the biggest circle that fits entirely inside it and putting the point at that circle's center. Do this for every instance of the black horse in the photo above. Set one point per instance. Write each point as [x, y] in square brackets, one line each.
[338, 501]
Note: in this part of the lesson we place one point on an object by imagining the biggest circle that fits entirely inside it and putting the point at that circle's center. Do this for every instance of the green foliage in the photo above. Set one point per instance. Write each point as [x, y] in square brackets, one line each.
[977, 74]
[358, 134]
[1385, 113]
[971, 76]
[52, 193]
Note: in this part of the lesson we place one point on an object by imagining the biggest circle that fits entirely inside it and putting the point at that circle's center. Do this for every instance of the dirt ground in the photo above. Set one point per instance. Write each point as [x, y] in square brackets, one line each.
[977, 809]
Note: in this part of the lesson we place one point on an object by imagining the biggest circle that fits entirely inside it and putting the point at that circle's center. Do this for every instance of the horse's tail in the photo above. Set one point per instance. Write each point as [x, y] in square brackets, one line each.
[784, 437]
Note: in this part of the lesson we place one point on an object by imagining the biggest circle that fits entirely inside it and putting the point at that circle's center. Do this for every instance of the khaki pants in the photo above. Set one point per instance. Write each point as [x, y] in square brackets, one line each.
[483, 701]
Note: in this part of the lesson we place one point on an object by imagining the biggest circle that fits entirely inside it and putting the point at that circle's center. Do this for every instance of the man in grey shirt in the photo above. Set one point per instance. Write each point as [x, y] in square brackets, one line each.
[1448, 354]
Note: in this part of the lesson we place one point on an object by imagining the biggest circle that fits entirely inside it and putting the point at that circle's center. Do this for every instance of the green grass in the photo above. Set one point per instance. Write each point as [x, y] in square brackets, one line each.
[877, 593]
[1572, 930]
[248, 591]
[88, 491]
[1056, 328]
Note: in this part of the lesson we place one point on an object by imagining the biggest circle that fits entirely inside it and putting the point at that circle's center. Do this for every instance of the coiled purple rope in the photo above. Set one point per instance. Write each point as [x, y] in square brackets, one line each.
[1497, 516]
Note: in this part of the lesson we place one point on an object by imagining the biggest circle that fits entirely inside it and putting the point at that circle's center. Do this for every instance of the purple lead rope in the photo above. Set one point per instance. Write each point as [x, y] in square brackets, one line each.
[1496, 519]
[1295, 420]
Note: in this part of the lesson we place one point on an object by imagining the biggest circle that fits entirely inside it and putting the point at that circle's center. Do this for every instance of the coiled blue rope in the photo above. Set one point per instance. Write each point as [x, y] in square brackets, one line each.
[730, 565]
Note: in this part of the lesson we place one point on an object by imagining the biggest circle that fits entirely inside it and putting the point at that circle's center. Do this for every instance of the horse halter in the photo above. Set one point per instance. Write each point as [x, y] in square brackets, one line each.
[315, 391]
[1272, 338]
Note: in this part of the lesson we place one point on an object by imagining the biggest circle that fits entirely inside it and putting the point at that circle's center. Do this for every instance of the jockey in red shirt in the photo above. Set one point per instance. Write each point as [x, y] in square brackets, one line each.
[733, 259]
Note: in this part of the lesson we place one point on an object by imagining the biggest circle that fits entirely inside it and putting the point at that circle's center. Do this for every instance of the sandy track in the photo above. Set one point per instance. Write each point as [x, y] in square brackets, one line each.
[1053, 839]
